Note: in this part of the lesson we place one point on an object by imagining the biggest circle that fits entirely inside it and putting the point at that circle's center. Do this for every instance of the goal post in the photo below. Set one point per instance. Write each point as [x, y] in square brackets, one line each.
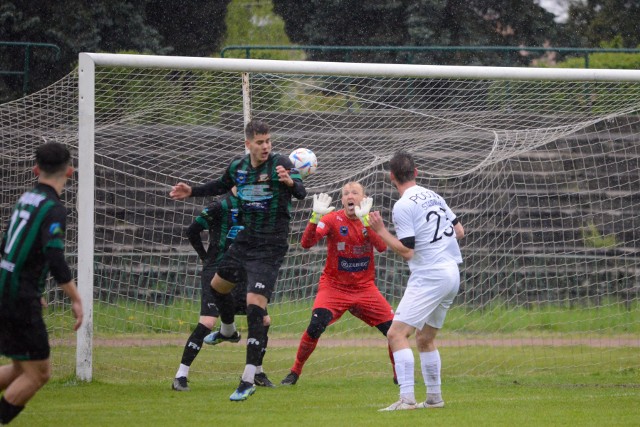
[540, 165]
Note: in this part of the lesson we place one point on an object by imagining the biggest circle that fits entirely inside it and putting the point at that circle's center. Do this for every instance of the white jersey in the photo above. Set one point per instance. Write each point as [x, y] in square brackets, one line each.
[423, 214]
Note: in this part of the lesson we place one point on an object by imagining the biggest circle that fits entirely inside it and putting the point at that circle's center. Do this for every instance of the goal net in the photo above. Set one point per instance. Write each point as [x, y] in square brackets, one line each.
[541, 166]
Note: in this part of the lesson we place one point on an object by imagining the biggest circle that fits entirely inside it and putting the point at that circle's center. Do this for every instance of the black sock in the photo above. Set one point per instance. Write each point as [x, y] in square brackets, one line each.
[256, 334]
[225, 305]
[194, 344]
[8, 411]
[264, 345]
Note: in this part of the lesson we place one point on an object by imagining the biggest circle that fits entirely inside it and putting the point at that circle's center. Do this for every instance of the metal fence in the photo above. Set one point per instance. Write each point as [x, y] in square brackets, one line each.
[409, 52]
[27, 50]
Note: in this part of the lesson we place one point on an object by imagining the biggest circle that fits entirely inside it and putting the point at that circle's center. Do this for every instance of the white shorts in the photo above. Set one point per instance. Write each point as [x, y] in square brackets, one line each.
[428, 296]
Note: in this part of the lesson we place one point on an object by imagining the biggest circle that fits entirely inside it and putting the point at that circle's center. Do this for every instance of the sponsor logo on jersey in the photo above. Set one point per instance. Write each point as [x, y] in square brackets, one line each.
[255, 193]
[359, 250]
[255, 206]
[365, 233]
[241, 177]
[263, 177]
[344, 230]
[353, 264]
[321, 224]
[55, 229]
[341, 246]
[233, 231]
[234, 215]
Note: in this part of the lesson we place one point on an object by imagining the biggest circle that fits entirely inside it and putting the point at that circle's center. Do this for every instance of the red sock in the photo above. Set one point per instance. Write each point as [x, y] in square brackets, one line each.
[306, 347]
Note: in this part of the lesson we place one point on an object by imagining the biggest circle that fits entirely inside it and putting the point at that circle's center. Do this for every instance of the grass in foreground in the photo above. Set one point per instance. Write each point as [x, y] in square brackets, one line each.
[333, 401]
[338, 391]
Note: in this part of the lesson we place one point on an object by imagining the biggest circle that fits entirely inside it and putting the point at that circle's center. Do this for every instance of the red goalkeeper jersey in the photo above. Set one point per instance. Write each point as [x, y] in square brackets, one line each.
[349, 248]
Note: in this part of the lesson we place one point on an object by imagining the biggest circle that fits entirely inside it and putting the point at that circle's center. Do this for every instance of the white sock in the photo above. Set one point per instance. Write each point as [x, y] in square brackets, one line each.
[227, 329]
[259, 369]
[404, 370]
[249, 373]
[183, 371]
[431, 364]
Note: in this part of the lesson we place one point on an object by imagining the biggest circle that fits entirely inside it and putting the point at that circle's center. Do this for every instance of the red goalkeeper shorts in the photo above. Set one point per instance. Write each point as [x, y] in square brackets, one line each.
[364, 301]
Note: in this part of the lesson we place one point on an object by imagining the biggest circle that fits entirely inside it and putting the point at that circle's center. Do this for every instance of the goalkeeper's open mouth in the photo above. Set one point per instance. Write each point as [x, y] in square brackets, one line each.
[350, 208]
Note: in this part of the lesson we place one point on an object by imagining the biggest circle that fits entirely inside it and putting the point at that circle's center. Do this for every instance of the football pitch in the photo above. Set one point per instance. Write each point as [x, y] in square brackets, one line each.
[347, 395]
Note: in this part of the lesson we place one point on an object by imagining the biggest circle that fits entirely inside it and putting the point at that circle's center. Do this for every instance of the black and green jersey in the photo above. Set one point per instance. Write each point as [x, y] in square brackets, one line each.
[37, 224]
[265, 201]
[223, 221]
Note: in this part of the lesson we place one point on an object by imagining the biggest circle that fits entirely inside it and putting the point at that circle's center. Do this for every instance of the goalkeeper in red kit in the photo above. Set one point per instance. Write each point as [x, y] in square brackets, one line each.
[347, 282]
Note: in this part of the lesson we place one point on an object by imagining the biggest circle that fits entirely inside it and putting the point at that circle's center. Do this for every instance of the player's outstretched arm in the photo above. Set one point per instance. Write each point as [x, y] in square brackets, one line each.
[180, 191]
[376, 223]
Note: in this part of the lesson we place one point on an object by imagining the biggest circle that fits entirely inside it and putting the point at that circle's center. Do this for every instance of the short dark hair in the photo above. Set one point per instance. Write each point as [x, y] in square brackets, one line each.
[52, 157]
[255, 127]
[402, 166]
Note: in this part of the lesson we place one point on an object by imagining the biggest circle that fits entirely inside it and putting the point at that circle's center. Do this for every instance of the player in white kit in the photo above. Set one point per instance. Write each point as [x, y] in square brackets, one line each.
[427, 237]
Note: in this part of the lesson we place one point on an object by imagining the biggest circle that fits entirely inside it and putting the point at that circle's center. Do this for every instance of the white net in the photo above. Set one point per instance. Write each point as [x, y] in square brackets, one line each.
[542, 174]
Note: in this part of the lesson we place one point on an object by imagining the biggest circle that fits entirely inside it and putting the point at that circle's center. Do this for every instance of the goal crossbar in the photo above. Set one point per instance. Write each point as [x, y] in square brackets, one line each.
[358, 69]
[455, 138]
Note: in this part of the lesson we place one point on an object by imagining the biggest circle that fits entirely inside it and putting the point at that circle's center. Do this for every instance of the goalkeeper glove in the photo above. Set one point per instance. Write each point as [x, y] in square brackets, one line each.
[362, 211]
[321, 207]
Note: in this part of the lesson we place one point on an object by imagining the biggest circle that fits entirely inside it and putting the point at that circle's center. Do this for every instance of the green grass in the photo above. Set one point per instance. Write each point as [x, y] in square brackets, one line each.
[507, 377]
[610, 317]
[343, 395]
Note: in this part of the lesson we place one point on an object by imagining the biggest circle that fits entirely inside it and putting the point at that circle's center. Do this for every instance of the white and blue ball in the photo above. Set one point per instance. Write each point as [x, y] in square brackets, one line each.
[304, 160]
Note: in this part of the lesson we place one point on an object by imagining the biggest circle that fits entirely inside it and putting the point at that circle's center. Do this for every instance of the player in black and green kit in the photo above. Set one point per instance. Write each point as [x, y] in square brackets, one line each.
[32, 246]
[266, 183]
[222, 220]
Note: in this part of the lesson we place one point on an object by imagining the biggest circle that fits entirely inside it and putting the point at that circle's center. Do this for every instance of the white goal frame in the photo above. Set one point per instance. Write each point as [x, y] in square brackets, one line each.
[86, 103]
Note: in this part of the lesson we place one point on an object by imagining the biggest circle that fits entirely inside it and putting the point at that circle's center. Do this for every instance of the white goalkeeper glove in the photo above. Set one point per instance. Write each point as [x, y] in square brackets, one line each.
[321, 207]
[362, 211]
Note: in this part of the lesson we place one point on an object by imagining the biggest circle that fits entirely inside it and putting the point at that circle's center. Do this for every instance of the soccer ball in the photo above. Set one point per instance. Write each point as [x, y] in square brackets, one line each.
[304, 160]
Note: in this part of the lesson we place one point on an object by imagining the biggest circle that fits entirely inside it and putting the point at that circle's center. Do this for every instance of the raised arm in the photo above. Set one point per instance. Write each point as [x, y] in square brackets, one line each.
[375, 220]
[321, 206]
[362, 212]
[291, 180]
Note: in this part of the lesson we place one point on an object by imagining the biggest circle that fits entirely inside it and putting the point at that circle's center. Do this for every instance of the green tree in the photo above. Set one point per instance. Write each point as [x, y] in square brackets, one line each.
[419, 23]
[594, 22]
[480, 23]
[194, 28]
[75, 26]
[345, 23]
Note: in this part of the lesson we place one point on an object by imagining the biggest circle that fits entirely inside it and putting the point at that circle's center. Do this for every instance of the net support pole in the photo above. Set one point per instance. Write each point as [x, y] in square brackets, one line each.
[246, 102]
[85, 208]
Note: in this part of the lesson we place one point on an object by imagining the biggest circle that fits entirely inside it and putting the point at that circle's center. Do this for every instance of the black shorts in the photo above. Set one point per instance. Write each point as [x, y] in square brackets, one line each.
[208, 307]
[23, 334]
[257, 260]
